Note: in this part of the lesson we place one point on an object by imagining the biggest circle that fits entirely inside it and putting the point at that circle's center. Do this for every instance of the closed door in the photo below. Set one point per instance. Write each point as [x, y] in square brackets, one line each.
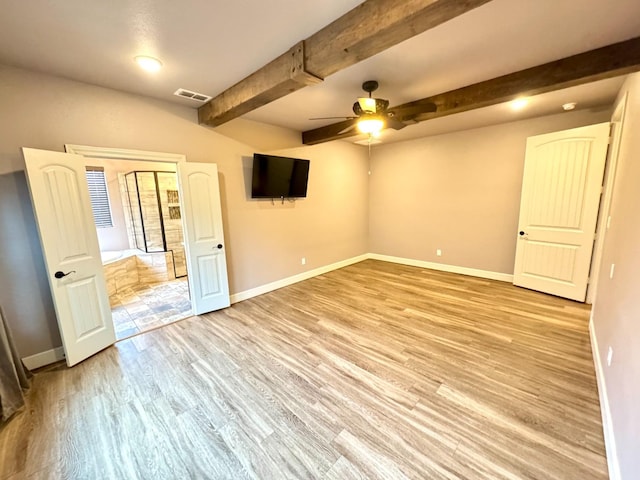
[561, 190]
[204, 236]
[60, 197]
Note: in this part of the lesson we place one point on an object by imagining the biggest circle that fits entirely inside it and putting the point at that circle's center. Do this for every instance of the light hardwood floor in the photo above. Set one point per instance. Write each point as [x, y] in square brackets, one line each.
[374, 371]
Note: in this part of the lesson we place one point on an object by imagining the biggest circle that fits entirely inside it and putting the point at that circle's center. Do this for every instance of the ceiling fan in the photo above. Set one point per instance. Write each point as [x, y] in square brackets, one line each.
[374, 114]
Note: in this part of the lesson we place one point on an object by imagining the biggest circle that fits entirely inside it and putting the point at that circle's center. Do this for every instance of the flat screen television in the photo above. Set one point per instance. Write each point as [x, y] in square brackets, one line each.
[279, 177]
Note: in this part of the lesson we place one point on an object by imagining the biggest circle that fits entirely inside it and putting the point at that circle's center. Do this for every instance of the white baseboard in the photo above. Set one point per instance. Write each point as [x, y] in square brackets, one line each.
[269, 287]
[607, 425]
[503, 277]
[44, 358]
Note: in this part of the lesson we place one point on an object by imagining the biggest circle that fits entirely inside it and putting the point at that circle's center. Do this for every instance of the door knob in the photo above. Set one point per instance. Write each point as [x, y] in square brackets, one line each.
[60, 274]
[219, 245]
[523, 233]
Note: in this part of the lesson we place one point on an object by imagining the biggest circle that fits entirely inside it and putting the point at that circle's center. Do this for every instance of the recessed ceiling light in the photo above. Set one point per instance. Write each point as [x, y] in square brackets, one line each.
[149, 64]
[569, 106]
[519, 103]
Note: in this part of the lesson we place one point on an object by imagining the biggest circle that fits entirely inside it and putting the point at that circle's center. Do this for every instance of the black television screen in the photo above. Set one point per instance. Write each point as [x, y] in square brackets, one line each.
[276, 177]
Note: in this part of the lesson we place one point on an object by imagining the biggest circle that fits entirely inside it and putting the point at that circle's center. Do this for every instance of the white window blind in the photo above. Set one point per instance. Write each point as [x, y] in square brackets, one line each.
[99, 197]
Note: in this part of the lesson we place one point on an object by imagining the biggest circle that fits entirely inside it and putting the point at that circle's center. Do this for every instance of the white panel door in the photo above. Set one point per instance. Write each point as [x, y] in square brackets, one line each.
[204, 237]
[561, 190]
[61, 204]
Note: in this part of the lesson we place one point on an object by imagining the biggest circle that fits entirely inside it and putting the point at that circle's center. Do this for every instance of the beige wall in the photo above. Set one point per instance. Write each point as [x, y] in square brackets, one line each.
[264, 242]
[331, 220]
[459, 192]
[616, 312]
[262, 136]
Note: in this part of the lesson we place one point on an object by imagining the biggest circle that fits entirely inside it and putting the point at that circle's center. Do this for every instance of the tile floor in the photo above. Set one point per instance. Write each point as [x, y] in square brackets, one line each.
[143, 307]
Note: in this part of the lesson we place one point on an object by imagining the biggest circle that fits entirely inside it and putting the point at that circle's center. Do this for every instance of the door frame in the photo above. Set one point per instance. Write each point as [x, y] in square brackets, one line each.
[602, 225]
[108, 153]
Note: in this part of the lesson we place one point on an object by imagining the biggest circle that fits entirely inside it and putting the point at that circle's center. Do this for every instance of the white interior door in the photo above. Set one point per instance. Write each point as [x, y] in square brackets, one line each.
[62, 208]
[559, 209]
[204, 236]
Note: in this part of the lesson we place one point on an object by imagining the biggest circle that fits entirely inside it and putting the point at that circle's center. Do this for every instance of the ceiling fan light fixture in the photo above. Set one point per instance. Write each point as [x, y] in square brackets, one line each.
[371, 125]
[367, 104]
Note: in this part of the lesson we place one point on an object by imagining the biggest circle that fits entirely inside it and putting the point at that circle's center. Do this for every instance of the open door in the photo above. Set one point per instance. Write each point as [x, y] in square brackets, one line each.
[60, 197]
[204, 236]
[561, 190]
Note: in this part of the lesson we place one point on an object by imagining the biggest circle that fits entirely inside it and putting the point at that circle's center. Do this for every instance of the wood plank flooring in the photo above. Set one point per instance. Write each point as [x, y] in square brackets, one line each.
[374, 371]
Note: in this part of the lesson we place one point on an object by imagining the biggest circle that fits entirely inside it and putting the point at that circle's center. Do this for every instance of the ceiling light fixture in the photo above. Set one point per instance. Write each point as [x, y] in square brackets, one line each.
[519, 103]
[569, 106]
[370, 124]
[367, 104]
[150, 64]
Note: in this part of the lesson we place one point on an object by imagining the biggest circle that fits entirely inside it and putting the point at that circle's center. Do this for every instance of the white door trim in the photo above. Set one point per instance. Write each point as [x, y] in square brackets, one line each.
[605, 411]
[617, 122]
[124, 154]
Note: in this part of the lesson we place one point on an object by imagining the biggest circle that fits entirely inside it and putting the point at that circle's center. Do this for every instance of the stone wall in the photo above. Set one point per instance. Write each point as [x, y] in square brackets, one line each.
[138, 268]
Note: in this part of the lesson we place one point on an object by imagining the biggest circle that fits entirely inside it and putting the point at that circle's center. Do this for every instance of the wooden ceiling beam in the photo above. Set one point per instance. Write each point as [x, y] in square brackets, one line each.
[606, 62]
[282, 76]
[374, 26]
[368, 29]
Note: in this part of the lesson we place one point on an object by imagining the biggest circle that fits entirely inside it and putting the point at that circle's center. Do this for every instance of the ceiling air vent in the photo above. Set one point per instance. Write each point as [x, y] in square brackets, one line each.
[198, 97]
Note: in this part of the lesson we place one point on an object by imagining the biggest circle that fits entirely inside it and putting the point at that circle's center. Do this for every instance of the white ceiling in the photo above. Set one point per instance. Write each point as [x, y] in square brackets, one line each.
[208, 45]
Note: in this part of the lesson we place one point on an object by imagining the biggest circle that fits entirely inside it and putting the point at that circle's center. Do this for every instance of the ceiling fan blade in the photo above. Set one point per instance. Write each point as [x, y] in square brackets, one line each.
[333, 118]
[413, 109]
[349, 128]
[395, 123]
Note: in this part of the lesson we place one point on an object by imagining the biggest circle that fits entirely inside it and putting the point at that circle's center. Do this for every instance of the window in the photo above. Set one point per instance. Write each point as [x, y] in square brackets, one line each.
[99, 197]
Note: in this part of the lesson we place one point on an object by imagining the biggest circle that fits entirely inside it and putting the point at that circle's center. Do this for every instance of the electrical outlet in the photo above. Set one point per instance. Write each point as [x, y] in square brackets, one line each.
[439, 252]
[613, 269]
[609, 356]
[303, 261]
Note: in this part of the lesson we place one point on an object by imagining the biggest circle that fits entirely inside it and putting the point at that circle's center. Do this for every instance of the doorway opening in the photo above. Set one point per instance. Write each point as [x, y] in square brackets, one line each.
[60, 195]
[141, 244]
